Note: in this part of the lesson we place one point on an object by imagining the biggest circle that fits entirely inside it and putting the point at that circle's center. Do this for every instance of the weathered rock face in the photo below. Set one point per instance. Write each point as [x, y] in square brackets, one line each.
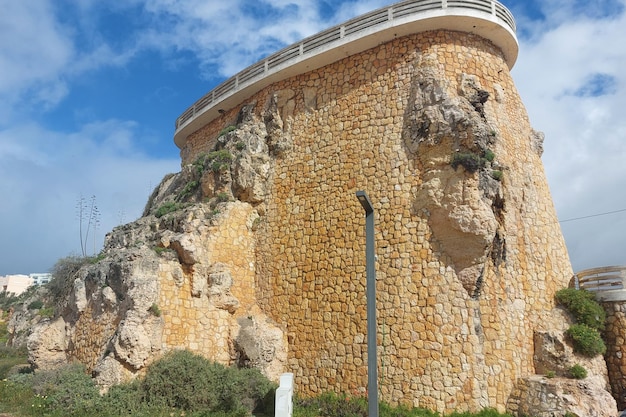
[559, 397]
[461, 209]
[553, 392]
[181, 279]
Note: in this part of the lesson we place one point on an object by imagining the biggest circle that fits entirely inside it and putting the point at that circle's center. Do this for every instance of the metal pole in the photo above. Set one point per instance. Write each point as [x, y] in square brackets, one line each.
[370, 269]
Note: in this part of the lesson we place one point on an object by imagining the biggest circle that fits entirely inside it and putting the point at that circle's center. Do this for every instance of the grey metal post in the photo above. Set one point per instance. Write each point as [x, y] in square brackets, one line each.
[370, 269]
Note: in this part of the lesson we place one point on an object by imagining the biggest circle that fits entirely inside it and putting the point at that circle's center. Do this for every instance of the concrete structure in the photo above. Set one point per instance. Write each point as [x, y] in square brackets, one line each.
[486, 18]
[15, 284]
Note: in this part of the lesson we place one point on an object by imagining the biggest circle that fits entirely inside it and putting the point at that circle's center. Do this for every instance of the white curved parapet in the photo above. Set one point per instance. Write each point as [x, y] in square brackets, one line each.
[608, 283]
[486, 18]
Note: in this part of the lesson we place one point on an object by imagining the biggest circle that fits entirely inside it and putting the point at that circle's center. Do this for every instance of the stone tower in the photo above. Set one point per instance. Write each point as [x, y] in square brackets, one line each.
[415, 104]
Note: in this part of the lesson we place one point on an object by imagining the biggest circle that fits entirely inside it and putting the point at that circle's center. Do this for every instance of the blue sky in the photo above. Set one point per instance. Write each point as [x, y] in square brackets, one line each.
[89, 91]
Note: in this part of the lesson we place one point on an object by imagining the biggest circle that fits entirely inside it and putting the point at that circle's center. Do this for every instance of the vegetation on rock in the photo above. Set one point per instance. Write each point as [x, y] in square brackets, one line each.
[583, 306]
[578, 372]
[166, 208]
[590, 318]
[587, 341]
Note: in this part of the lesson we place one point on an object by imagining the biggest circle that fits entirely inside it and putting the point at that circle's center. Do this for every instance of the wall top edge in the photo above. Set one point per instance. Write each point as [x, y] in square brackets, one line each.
[486, 18]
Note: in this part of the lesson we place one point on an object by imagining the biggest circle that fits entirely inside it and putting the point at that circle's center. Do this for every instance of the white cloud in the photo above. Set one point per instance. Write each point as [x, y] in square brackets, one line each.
[34, 50]
[44, 173]
[227, 37]
[572, 82]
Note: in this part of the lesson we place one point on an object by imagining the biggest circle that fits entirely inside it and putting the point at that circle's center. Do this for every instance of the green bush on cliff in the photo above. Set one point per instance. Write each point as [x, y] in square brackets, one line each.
[470, 161]
[583, 306]
[578, 372]
[587, 341]
[166, 208]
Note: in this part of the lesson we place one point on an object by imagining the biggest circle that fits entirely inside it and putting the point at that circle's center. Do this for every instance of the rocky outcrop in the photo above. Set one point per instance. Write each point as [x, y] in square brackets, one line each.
[553, 392]
[559, 397]
[460, 194]
[48, 344]
[182, 276]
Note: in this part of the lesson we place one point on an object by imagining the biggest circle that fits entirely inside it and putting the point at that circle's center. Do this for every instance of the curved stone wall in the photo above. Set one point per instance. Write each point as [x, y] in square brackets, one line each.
[467, 263]
[615, 338]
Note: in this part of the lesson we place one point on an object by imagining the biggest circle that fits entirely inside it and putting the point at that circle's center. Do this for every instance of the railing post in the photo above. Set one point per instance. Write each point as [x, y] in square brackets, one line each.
[493, 8]
[444, 4]
[390, 14]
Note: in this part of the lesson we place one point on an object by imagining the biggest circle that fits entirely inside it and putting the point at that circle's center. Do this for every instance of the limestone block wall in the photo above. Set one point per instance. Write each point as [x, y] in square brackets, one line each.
[615, 337]
[202, 323]
[465, 270]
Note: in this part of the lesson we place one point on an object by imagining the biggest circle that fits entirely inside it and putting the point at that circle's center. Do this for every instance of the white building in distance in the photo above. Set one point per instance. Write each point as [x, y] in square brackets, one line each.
[19, 283]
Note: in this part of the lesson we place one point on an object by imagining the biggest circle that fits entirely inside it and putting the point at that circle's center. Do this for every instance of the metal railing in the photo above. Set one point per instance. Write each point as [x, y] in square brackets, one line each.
[354, 28]
[607, 278]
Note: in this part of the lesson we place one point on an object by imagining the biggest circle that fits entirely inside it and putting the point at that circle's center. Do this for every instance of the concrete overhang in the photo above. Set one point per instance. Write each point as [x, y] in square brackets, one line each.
[499, 30]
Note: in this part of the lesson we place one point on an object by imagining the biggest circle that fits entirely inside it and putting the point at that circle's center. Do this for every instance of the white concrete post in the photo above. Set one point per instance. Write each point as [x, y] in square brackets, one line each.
[284, 396]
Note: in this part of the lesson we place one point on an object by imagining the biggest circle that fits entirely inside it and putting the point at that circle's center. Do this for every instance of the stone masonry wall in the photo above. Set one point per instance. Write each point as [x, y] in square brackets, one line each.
[615, 337]
[466, 265]
[199, 323]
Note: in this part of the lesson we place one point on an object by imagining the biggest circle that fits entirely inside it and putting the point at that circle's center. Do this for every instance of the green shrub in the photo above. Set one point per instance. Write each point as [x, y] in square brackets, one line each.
[166, 208]
[489, 155]
[67, 388]
[223, 197]
[47, 312]
[330, 404]
[212, 214]
[550, 374]
[9, 357]
[126, 400]
[35, 305]
[583, 306]
[226, 130]
[488, 412]
[497, 175]
[187, 381]
[155, 310]
[220, 160]
[4, 333]
[189, 189]
[7, 299]
[217, 161]
[160, 249]
[470, 161]
[64, 273]
[578, 372]
[16, 396]
[586, 340]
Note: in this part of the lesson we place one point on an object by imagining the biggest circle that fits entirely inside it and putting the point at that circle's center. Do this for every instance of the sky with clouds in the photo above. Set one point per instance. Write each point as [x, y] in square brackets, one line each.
[90, 90]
